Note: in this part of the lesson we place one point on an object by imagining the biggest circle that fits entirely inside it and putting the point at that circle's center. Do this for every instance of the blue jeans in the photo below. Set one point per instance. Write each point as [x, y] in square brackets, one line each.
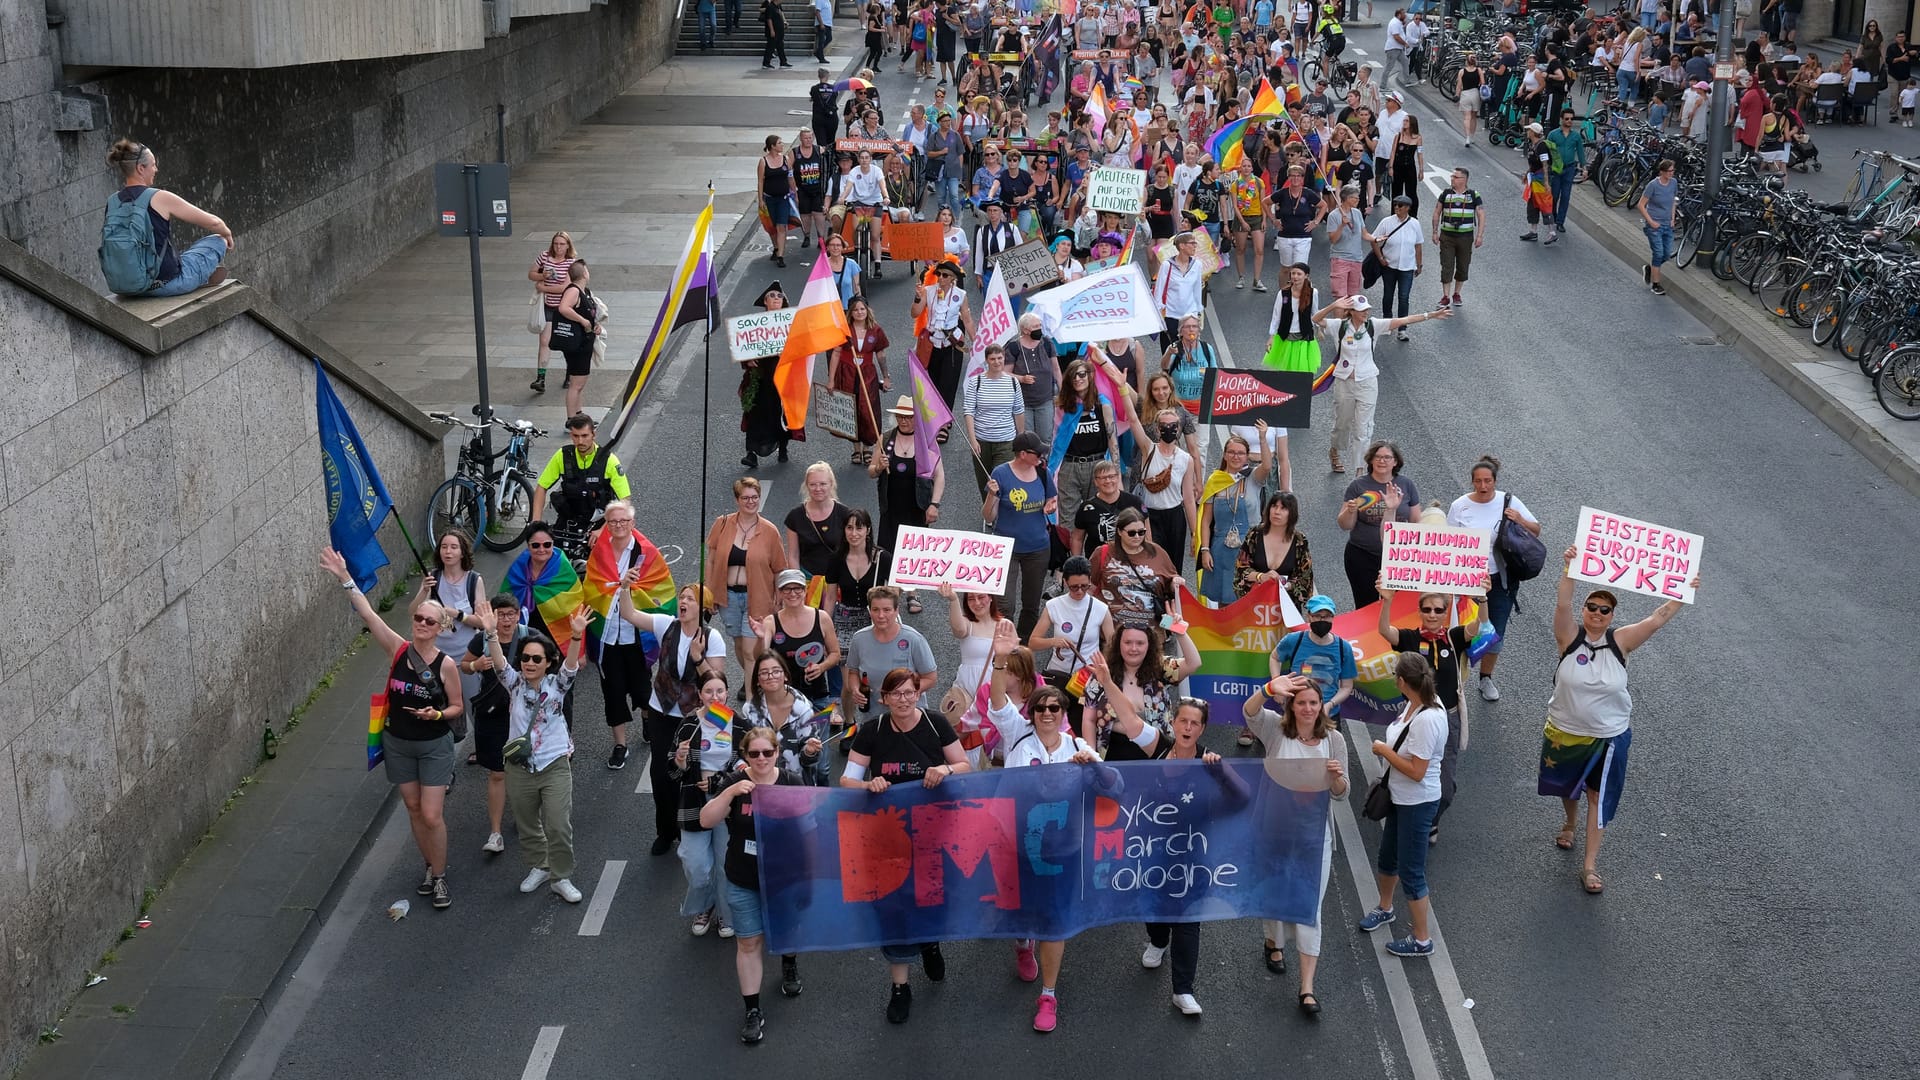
[1040, 421]
[1627, 82]
[1403, 846]
[1561, 184]
[197, 264]
[1500, 598]
[709, 26]
[950, 194]
[822, 37]
[703, 854]
[1395, 282]
[1659, 242]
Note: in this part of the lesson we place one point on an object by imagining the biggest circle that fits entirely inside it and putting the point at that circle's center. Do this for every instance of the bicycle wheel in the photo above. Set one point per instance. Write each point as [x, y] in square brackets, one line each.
[1689, 247]
[1722, 265]
[1749, 257]
[1897, 386]
[1889, 338]
[1313, 71]
[1826, 322]
[1778, 284]
[511, 520]
[1618, 185]
[456, 504]
[1812, 297]
[1857, 324]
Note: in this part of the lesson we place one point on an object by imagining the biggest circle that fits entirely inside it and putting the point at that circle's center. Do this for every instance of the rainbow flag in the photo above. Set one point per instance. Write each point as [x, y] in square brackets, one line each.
[654, 592]
[1264, 99]
[554, 595]
[718, 724]
[1376, 697]
[816, 590]
[1368, 500]
[1539, 197]
[376, 724]
[1234, 642]
[1225, 146]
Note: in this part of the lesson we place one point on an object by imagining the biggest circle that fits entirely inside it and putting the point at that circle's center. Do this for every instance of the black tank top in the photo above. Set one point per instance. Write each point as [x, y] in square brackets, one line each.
[1090, 435]
[415, 684]
[804, 649]
[774, 186]
[1469, 79]
[810, 170]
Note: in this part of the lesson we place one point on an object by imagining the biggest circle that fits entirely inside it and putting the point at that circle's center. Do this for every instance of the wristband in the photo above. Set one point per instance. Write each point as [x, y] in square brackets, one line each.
[349, 586]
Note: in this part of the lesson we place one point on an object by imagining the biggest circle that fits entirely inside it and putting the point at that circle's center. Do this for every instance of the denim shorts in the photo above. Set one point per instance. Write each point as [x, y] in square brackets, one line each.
[748, 920]
[903, 954]
[734, 615]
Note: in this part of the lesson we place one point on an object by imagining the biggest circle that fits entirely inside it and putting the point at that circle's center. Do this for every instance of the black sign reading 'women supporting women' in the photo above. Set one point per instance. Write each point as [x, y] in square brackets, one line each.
[1243, 396]
[1041, 852]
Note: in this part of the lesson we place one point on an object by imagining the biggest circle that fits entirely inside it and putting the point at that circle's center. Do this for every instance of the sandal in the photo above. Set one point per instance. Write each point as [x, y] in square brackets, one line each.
[1310, 1004]
[942, 437]
[1564, 839]
[473, 759]
[1276, 959]
[913, 605]
[1590, 881]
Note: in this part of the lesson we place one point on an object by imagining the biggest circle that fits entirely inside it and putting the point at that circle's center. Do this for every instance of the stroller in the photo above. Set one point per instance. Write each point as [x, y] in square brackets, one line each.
[1801, 152]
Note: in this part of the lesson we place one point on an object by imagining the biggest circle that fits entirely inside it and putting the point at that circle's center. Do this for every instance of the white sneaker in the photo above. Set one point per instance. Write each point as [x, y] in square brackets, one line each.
[494, 844]
[565, 890]
[1488, 691]
[1153, 955]
[535, 878]
[725, 930]
[1186, 1004]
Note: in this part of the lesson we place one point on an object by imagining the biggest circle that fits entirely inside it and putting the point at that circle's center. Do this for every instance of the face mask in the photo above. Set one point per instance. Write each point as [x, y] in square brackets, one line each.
[1321, 627]
[1169, 432]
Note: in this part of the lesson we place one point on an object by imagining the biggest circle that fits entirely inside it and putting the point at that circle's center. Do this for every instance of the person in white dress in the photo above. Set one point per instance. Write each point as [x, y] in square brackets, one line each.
[975, 618]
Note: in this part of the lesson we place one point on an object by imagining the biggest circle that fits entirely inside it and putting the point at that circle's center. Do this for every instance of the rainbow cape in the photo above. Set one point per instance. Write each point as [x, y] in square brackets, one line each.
[553, 595]
[654, 591]
[376, 723]
[1539, 197]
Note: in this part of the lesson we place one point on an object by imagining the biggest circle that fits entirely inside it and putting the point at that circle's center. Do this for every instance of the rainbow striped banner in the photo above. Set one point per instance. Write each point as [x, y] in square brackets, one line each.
[1234, 643]
[376, 724]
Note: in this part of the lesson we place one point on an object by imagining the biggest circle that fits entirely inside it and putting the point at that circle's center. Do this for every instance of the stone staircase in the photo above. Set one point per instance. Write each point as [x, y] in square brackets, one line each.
[748, 39]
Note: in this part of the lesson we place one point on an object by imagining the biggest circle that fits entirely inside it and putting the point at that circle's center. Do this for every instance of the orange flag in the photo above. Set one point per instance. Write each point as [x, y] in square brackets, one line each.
[819, 324]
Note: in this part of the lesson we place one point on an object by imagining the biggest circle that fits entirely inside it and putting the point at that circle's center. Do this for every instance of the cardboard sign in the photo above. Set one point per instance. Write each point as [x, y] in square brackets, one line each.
[1120, 191]
[969, 561]
[1436, 558]
[1620, 552]
[915, 241]
[1208, 255]
[833, 411]
[1027, 266]
[1235, 396]
[1099, 307]
[759, 335]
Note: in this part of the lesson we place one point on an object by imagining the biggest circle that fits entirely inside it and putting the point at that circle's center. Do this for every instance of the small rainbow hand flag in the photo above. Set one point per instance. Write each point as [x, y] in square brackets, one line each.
[817, 590]
[1482, 643]
[1077, 686]
[376, 723]
[1368, 499]
[719, 721]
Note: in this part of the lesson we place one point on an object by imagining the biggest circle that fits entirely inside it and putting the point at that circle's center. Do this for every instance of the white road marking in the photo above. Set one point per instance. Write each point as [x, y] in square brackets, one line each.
[672, 553]
[597, 908]
[1437, 179]
[645, 786]
[1466, 1033]
[1359, 52]
[544, 1047]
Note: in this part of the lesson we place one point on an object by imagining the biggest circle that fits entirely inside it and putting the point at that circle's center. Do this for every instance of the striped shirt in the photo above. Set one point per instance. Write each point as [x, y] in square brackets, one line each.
[1458, 209]
[555, 272]
[992, 402]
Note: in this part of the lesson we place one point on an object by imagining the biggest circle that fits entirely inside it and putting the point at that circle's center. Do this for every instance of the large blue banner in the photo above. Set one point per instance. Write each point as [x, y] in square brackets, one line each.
[1044, 852]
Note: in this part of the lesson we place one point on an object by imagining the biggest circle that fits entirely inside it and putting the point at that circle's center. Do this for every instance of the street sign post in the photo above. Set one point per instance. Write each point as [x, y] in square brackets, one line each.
[472, 201]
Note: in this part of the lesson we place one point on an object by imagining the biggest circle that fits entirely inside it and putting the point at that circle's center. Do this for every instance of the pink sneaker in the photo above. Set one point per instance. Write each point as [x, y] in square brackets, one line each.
[1045, 1014]
[1024, 964]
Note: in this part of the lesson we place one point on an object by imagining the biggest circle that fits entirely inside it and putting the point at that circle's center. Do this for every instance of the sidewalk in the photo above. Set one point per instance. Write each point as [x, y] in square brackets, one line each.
[1826, 383]
[181, 995]
[626, 186]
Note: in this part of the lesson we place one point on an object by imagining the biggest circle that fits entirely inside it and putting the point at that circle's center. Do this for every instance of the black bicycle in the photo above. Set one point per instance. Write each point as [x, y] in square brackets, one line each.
[493, 505]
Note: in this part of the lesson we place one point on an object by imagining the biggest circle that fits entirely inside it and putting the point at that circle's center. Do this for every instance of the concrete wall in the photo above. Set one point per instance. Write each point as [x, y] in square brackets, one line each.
[322, 171]
[261, 33]
[159, 522]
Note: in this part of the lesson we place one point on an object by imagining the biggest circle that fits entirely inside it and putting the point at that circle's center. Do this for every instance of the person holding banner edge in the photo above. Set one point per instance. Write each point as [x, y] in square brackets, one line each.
[1589, 725]
[902, 744]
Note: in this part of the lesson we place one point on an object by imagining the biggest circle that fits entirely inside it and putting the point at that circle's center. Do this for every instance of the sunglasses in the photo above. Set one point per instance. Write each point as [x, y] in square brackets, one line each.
[1133, 532]
[1600, 609]
[425, 620]
[533, 659]
[762, 753]
[1039, 709]
[540, 547]
[1433, 611]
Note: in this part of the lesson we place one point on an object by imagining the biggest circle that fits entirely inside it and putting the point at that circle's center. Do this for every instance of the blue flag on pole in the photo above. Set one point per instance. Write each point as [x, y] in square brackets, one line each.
[357, 499]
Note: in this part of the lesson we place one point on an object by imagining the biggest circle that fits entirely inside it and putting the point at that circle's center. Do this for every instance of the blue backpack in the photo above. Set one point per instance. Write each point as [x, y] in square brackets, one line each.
[128, 255]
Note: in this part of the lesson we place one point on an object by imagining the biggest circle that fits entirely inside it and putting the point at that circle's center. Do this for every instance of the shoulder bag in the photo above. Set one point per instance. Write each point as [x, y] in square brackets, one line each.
[1524, 553]
[1379, 799]
[1371, 267]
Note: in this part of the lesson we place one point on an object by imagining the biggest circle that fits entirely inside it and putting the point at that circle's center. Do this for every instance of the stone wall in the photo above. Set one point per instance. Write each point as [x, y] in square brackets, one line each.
[159, 522]
[322, 170]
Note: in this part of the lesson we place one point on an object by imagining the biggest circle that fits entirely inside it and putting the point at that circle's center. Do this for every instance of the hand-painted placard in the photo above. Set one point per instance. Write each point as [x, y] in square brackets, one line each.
[758, 335]
[1436, 558]
[833, 412]
[915, 241]
[1242, 396]
[996, 325]
[1042, 852]
[1121, 191]
[968, 561]
[1208, 254]
[1620, 552]
[1027, 266]
[1114, 304]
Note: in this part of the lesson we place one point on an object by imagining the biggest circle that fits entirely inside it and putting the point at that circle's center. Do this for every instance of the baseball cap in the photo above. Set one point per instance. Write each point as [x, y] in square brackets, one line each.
[790, 577]
[1535, 128]
[1702, 85]
[1394, 95]
[1320, 603]
[1028, 442]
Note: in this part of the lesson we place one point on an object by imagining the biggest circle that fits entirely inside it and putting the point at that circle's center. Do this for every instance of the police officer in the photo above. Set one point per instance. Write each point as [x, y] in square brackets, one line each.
[587, 479]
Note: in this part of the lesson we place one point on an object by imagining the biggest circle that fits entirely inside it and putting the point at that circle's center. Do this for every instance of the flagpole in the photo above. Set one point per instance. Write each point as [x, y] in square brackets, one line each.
[706, 403]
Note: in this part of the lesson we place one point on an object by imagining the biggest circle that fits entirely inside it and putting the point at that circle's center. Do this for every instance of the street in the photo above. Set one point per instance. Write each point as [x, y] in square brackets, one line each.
[1751, 919]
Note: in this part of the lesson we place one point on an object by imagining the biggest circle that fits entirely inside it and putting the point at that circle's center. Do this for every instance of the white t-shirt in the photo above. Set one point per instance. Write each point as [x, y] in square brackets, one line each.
[1077, 621]
[1908, 96]
[1395, 28]
[1170, 496]
[1427, 741]
[1401, 249]
[1467, 514]
[1183, 177]
[1302, 13]
[1354, 358]
[1390, 123]
[1030, 751]
[716, 649]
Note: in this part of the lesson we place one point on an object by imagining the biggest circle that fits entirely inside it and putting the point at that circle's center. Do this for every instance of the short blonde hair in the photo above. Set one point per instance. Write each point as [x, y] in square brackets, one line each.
[833, 481]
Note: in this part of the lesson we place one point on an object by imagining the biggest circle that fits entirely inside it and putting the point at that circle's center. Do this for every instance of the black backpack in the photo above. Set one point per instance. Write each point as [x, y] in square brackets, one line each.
[1525, 555]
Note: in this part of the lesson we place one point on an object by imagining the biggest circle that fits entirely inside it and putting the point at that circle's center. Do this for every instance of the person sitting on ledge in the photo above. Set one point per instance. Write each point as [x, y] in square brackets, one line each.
[136, 241]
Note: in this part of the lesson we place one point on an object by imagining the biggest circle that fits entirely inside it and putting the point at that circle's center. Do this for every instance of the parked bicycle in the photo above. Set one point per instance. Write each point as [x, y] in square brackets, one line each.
[493, 504]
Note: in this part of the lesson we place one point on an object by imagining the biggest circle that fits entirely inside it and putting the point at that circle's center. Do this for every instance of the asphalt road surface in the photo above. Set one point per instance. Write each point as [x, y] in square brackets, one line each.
[1752, 920]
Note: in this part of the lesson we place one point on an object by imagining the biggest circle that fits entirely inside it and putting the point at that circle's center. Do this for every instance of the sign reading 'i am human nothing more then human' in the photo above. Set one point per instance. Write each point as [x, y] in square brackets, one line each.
[1436, 558]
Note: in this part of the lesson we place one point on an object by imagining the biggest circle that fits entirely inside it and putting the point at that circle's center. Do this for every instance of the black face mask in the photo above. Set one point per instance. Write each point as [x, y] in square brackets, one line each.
[1321, 627]
[1169, 432]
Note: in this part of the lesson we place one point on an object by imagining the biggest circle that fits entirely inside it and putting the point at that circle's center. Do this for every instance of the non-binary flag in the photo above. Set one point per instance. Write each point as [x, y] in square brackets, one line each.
[357, 499]
[693, 295]
[819, 324]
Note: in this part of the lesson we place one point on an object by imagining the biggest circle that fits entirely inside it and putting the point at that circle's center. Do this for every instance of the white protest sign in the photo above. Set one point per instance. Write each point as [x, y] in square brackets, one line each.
[996, 325]
[969, 561]
[1121, 191]
[1626, 553]
[1436, 559]
[1106, 306]
[759, 335]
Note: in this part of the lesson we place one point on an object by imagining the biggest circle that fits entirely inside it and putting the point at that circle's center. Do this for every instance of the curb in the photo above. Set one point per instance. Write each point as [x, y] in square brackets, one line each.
[1733, 320]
